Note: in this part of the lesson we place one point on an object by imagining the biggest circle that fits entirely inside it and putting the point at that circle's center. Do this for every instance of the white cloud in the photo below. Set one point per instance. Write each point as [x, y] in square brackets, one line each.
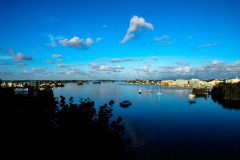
[104, 67]
[208, 45]
[127, 59]
[19, 57]
[77, 42]
[136, 24]
[182, 69]
[89, 41]
[216, 62]
[73, 42]
[57, 56]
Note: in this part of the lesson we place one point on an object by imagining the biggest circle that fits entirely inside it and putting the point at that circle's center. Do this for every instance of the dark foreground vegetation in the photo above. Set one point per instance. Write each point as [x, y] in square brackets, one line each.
[200, 92]
[38, 127]
[227, 94]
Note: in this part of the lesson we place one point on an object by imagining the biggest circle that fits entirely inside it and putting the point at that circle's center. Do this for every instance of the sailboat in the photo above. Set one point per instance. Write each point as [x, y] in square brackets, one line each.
[159, 93]
[149, 90]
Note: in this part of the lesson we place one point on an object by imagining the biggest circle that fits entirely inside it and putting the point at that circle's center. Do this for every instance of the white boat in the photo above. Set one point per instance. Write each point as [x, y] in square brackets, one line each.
[191, 96]
[159, 93]
[139, 91]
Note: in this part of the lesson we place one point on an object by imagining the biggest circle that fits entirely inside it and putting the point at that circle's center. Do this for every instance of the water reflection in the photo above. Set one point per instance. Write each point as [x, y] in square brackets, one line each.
[166, 123]
[228, 104]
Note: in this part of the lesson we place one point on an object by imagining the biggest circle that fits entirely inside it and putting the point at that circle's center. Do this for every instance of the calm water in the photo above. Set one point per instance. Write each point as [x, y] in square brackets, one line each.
[167, 126]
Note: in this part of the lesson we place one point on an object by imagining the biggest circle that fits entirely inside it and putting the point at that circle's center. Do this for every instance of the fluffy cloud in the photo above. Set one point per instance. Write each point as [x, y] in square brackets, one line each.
[136, 24]
[218, 69]
[208, 45]
[77, 42]
[104, 67]
[19, 57]
[182, 69]
[56, 56]
[214, 69]
[216, 62]
[165, 40]
[89, 41]
[127, 59]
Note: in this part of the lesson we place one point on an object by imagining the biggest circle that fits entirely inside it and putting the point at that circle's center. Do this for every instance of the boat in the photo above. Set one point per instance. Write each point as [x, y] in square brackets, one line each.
[125, 103]
[149, 90]
[139, 91]
[191, 96]
[159, 93]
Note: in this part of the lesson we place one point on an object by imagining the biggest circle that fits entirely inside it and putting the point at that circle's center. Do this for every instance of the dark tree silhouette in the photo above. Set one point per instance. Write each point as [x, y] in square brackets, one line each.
[227, 94]
[40, 127]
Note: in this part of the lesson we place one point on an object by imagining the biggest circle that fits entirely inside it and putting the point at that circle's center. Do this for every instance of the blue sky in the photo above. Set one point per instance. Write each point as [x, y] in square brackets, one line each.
[103, 39]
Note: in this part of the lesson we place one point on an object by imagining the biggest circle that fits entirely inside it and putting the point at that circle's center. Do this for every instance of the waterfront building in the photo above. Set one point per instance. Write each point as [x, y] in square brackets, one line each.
[181, 82]
[167, 83]
[233, 80]
[215, 82]
[21, 91]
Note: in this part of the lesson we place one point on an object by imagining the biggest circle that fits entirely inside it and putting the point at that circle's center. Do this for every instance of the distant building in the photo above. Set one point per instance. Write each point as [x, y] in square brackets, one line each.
[22, 91]
[4, 84]
[194, 82]
[215, 82]
[167, 82]
[181, 82]
[234, 80]
[9, 84]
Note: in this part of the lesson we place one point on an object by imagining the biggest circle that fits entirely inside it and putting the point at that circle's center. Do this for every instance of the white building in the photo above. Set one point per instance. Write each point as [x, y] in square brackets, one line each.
[194, 81]
[22, 91]
[181, 82]
[234, 80]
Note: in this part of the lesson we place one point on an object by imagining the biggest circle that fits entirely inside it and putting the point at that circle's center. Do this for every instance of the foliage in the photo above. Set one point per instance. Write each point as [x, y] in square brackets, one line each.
[227, 94]
[228, 91]
[200, 92]
[43, 128]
